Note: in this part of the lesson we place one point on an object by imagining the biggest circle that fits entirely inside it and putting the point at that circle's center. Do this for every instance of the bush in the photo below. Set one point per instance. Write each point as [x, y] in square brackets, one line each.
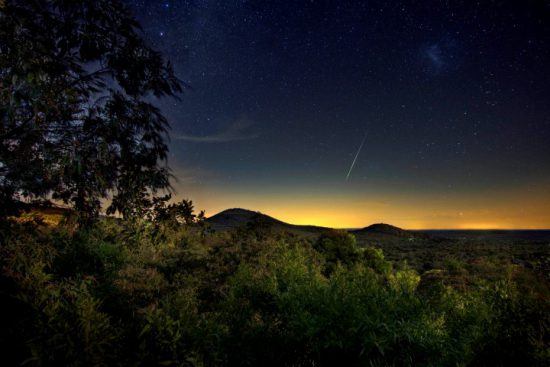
[143, 293]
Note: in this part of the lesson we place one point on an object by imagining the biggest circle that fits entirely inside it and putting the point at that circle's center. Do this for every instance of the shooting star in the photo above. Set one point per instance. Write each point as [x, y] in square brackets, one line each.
[356, 155]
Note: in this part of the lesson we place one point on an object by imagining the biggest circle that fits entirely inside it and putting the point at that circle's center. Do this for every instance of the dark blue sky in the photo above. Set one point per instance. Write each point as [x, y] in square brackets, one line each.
[453, 96]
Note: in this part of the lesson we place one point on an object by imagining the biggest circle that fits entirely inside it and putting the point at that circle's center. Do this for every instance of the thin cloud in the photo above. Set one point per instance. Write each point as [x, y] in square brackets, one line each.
[238, 130]
[190, 176]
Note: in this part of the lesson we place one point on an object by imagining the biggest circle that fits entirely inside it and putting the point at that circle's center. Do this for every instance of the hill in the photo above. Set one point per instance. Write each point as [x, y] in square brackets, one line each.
[237, 217]
[383, 228]
[386, 232]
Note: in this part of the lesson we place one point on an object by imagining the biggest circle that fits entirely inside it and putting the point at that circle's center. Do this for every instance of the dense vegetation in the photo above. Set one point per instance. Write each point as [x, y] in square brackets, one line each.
[157, 292]
[76, 119]
[155, 285]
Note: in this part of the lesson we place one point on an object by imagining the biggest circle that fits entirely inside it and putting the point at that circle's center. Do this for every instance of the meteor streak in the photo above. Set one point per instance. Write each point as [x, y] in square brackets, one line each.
[356, 155]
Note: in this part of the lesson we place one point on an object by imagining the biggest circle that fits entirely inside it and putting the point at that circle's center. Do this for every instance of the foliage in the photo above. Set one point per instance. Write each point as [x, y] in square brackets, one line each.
[151, 293]
[75, 118]
[338, 247]
[174, 214]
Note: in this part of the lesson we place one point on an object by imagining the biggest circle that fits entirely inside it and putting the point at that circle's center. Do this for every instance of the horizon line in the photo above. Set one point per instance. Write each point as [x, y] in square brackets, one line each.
[381, 222]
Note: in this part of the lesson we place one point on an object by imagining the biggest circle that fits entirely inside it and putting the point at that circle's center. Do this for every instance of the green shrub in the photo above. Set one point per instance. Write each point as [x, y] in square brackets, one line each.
[337, 247]
[140, 293]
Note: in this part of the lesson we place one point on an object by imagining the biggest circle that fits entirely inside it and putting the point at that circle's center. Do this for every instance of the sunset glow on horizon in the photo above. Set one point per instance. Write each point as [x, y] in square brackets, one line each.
[499, 210]
[349, 115]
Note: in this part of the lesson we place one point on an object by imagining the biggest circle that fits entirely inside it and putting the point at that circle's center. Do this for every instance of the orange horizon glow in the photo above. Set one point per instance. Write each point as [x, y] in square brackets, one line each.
[503, 210]
[334, 221]
[337, 204]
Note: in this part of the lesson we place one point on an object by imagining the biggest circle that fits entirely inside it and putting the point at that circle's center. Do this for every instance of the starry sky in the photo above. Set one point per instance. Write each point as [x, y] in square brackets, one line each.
[451, 100]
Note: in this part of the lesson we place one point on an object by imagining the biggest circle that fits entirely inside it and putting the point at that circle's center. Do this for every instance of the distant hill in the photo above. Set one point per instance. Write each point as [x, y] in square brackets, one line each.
[50, 214]
[383, 228]
[383, 231]
[237, 217]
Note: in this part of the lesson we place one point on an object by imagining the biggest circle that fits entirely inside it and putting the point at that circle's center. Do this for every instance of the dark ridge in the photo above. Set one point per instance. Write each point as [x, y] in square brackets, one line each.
[388, 230]
[237, 217]
[384, 228]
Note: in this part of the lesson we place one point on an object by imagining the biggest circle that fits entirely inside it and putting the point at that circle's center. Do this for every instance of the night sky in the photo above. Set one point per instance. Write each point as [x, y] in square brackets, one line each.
[451, 99]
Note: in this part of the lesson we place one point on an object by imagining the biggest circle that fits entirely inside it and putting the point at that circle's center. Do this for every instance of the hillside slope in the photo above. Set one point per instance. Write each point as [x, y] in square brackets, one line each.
[386, 232]
[237, 217]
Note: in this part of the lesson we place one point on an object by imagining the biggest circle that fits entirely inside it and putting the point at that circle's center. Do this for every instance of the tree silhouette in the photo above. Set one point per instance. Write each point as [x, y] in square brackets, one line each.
[76, 118]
